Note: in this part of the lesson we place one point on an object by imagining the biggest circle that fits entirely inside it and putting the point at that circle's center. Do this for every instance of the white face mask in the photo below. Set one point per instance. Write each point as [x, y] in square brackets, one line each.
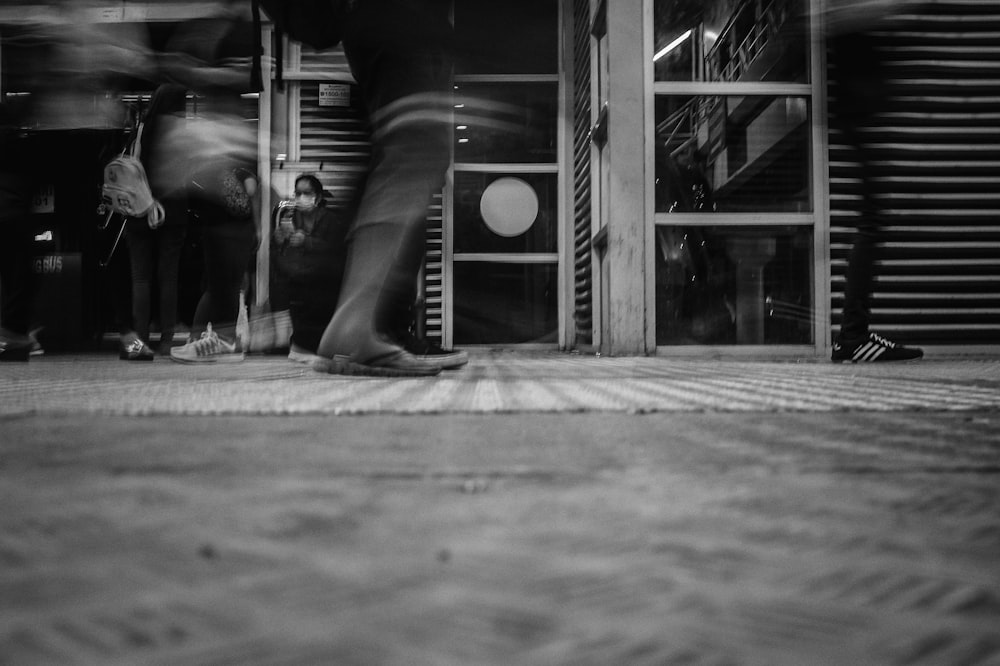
[305, 201]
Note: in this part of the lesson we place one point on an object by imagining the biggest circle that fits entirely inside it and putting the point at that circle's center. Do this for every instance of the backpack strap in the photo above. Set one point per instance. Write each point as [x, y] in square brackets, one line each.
[136, 147]
[156, 215]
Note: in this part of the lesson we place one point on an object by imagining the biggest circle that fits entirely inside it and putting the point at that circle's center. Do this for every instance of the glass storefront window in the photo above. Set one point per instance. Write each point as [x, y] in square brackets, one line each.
[727, 154]
[505, 213]
[506, 123]
[509, 37]
[725, 285]
[505, 303]
[730, 40]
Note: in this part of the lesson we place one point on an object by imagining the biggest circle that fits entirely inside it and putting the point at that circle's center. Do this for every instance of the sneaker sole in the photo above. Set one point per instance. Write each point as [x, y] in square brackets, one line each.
[125, 356]
[881, 360]
[222, 358]
[446, 361]
[302, 357]
[343, 365]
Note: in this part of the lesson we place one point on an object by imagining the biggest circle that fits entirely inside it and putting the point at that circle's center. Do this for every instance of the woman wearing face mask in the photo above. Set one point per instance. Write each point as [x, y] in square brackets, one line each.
[310, 249]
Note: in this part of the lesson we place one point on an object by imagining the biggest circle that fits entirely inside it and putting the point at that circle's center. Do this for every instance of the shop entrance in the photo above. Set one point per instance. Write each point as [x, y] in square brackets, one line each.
[492, 270]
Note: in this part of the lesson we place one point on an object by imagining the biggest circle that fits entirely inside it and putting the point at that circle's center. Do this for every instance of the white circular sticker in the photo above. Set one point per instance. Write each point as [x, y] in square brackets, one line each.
[509, 206]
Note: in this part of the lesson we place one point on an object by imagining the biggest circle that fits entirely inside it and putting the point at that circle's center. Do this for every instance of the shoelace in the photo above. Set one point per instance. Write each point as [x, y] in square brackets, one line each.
[208, 343]
[882, 341]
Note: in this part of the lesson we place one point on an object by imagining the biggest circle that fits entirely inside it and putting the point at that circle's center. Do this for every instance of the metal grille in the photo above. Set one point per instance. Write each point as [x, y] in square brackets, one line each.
[434, 272]
[583, 280]
[938, 172]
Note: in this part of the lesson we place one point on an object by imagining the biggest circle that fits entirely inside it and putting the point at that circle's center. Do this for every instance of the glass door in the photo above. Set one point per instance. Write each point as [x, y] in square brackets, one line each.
[739, 231]
[502, 210]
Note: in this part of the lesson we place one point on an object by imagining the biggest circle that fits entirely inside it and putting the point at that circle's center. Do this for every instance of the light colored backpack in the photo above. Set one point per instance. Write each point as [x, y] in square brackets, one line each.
[126, 188]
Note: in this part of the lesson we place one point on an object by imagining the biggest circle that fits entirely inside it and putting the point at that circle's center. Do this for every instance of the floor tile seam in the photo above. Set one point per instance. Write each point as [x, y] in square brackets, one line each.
[272, 370]
[904, 387]
[295, 411]
[703, 391]
[579, 393]
[623, 397]
[855, 376]
[561, 395]
[927, 384]
[709, 384]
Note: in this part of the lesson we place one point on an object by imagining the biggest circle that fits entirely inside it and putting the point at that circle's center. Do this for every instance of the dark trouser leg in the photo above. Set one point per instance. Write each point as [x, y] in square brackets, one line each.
[859, 277]
[227, 251]
[140, 251]
[401, 312]
[170, 242]
[16, 277]
[860, 94]
[311, 305]
[858, 287]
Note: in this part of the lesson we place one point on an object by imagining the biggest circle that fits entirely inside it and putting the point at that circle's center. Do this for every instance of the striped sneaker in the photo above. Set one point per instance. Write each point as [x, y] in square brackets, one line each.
[210, 348]
[875, 349]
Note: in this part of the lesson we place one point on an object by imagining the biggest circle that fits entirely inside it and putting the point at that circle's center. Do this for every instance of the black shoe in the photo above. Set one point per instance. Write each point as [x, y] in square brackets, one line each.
[136, 350]
[875, 349]
[426, 350]
[14, 347]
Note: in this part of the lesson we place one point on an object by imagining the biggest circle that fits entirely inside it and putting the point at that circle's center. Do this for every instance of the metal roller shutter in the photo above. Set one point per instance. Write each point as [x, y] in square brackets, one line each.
[583, 279]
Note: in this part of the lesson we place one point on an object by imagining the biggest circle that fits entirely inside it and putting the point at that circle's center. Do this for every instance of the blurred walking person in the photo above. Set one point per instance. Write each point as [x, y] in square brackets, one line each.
[16, 277]
[224, 204]
[399, 52]
[155, 246]
[859, 95]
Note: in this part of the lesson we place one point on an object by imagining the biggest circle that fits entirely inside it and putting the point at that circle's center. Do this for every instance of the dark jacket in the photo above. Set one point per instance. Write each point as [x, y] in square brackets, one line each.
[323, 252]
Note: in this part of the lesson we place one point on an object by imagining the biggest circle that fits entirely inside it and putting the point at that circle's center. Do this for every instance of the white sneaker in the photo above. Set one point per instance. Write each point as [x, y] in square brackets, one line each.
[299, 355]
[210, 348]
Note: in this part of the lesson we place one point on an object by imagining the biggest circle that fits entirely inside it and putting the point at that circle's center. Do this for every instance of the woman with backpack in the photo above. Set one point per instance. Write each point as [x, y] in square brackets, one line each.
[155, 244]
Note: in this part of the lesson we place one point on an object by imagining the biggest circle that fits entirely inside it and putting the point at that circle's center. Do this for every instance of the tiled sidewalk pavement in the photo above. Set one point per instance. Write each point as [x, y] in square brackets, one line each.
[496, 382]
[526, 510]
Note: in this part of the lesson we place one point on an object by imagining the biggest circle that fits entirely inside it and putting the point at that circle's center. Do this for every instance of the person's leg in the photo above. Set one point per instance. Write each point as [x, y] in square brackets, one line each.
[119, 285]
[859, 276]
[170, 242]
[211, 247]
[406, 92]
[16, 287]
[228, 249]
[312, 302]
[860, 95]
[140, 249]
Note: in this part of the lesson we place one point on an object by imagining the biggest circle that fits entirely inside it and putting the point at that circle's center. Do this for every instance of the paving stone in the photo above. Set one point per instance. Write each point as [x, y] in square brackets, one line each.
[533, 510]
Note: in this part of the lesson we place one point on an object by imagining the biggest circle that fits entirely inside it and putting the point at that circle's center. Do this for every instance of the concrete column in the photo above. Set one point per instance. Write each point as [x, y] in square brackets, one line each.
[628, 331]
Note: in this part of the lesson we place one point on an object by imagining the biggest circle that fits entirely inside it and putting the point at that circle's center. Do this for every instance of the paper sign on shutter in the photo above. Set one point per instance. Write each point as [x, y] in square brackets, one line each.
[334, 94]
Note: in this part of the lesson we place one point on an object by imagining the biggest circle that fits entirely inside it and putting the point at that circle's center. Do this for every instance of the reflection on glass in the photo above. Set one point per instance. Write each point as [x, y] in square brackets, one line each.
[505, 303]
[733, 286]
[730, 40]
[472, 234]
[514, 122]
[732, 154]
[509, 37]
